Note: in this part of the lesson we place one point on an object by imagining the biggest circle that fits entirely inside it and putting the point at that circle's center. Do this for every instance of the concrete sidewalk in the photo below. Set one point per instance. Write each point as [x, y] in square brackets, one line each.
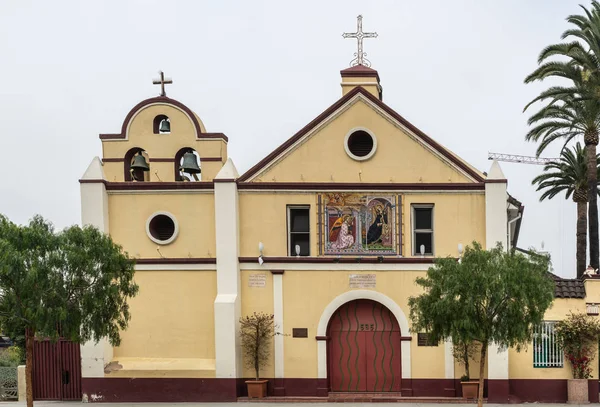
[269, 404]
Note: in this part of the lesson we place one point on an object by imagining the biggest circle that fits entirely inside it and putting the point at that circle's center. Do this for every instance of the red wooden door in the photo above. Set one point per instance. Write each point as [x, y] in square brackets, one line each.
[364, 348]
[70, 370]
[56, 370]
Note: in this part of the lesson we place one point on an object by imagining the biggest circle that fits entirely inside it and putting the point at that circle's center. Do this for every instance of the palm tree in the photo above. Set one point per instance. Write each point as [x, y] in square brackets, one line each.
[574, 110]
[569, 174]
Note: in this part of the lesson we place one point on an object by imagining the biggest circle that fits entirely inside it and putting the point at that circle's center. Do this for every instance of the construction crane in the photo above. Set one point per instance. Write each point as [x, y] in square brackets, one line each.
[522, 159]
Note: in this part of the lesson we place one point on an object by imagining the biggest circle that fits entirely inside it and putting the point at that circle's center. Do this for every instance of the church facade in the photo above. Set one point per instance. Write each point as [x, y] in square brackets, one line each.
[328, 233]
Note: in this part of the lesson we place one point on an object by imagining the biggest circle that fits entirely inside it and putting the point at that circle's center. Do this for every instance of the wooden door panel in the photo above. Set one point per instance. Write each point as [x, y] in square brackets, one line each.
[364, 348]
[383, 361]
[347, 362]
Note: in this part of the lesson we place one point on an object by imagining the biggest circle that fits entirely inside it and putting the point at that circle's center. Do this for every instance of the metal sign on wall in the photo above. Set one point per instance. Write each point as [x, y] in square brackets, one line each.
[257, 280]
[363, 280]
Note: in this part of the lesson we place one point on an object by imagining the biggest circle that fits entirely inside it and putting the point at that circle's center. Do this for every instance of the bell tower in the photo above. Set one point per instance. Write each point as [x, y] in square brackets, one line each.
[162, 140]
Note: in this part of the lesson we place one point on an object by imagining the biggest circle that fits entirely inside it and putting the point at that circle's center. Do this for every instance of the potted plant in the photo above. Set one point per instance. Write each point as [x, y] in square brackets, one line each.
[463, 351]
[256, 331]
[578, 336]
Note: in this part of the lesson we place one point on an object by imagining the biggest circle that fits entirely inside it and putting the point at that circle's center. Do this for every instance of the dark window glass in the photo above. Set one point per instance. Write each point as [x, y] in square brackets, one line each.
[303, 241]
[299, 220]
[299, 233]
[423, 218]
[423, 238]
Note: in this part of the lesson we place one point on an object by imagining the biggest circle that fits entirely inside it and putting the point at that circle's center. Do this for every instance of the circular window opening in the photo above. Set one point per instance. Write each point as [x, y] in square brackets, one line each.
[162, 228]
[360, 145]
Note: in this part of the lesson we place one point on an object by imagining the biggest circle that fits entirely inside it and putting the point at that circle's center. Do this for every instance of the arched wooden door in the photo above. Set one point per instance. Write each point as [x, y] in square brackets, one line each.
[364, 348]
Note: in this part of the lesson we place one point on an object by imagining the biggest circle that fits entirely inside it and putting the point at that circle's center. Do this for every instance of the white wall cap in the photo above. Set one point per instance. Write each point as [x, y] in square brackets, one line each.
[495, 171]
[225, 299]
[94, 170]
[228, 171]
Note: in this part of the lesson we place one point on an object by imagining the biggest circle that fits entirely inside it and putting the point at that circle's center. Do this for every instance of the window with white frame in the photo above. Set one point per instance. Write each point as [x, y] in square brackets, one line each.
[298, 231]
[422, 224]
[546, 351]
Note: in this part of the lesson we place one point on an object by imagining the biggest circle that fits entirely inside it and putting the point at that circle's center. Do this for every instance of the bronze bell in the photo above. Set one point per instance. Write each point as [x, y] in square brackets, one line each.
[190, 163]
[139, 163]
[165, 126]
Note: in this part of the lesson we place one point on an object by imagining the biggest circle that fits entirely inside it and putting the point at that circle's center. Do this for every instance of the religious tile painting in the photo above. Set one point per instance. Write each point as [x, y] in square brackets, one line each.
[360, 224]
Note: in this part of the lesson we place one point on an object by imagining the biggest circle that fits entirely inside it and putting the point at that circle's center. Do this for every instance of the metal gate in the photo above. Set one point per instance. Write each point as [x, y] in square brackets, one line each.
[56, 370]
[364, 348]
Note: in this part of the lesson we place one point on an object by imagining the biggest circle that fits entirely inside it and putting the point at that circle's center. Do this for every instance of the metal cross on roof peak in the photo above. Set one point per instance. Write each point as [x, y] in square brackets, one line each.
[162, 81]
[359, 35]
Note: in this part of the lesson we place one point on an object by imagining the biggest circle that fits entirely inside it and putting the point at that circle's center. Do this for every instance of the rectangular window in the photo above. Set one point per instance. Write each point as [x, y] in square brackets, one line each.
[298, 230]
[422, 223]
[546, 352]
[423, 340]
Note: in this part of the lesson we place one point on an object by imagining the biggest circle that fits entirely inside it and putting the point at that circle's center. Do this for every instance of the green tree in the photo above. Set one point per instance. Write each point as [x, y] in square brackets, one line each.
[569, 174]
[490, 296]
[73, 284]
[573, 110]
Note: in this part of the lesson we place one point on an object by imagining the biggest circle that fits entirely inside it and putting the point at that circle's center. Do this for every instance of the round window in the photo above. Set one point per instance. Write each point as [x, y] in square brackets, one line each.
[360, 144]
[162, 228]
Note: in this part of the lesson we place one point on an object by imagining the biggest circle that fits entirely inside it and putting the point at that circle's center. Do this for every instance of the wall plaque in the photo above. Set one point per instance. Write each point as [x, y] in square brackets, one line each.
[363, 280]
[257, 280]
[300, 332]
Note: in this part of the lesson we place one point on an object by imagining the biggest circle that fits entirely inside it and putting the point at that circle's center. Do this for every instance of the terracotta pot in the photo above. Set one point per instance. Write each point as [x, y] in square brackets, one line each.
[257, 389]
[577, 391]
[470, 389]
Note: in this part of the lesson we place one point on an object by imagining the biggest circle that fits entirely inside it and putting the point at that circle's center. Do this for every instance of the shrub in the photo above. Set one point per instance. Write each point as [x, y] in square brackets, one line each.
[578, 336]
[11, 357]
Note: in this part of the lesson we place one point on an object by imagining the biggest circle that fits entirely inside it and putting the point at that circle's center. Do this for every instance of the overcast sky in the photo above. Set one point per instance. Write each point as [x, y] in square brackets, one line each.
[258, 71]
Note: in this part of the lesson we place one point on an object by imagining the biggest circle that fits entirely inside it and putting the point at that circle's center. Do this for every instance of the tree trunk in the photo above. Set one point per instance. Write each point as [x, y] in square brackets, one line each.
[592, 173]
[467, 366]
[481, 370]
[29, 338]
[581, 237]
[256, 361]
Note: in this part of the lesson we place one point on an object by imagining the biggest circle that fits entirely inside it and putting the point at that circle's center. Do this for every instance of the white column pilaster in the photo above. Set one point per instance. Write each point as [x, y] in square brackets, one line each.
[496, 230]
[496, 212]
[94, 212]
[448, 359]
[228, 300]
[278, 319]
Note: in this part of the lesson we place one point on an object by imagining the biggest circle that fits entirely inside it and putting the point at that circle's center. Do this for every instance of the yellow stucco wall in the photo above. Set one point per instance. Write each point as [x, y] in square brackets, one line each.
[322, 158]
[521, 363]
[171, 332]
[258, 299]
[263, 218]
[368, 83]
[306, 294]
[194, 213]
[458, 218]
[140, 134]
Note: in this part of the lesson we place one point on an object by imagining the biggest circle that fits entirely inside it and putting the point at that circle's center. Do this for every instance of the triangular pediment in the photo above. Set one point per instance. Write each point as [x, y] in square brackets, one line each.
[320, 152]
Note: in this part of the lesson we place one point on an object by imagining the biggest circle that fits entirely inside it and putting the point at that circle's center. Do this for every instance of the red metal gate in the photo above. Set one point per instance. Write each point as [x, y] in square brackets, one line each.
[56, 370]
[364, 348]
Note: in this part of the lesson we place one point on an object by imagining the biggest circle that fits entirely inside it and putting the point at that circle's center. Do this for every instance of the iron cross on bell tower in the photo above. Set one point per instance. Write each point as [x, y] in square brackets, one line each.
[162, 81]
[359, 35]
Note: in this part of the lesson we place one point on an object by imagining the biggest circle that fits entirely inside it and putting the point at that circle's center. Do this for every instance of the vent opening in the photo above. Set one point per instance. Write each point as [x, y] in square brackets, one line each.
[162, 228]
[360, 145]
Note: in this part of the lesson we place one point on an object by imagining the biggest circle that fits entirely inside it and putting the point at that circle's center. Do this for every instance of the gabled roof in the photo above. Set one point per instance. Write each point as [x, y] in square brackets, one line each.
[367, 95]
[568, 288]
